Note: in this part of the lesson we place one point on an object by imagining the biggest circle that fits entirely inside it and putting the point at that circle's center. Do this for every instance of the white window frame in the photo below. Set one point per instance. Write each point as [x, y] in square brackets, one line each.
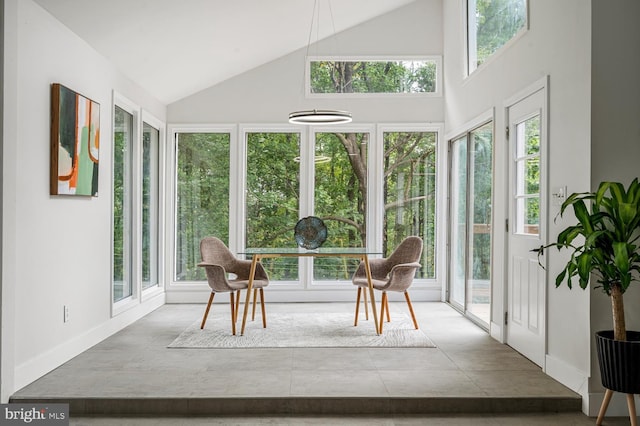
[307, 199]
[181, 290]
[171, 191]
[132, 177]
[466, 129]
[377, 197]
[157, 124]
[237, 224]
[435, 58]
[138, 296]
[470, 39]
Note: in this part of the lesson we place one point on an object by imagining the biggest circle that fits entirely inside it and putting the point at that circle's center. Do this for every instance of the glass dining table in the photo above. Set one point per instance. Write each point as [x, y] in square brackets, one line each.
[257, 254]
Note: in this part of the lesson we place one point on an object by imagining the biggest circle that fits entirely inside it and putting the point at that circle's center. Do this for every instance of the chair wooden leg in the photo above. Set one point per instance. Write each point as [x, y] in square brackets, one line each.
[264, 313]
[632, 409]
[233, 313]
[383, 304]
[253, 313]
[355, 322]
[206, 312]
[386, 302]
[413, 315]
[237, 308]
[366, 305]
[603, 408]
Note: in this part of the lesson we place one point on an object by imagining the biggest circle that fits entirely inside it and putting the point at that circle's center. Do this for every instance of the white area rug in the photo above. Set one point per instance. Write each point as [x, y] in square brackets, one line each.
[304, 330]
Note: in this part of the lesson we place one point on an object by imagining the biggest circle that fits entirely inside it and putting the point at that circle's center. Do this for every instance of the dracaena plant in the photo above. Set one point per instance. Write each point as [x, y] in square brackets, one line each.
[603, 244]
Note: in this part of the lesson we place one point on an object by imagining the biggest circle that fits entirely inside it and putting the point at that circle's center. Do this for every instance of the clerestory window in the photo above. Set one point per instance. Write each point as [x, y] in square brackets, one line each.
[490, 25]
[379, 76]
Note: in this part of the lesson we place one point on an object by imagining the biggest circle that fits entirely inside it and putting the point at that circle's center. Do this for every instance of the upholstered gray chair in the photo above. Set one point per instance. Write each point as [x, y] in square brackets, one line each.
[393, 273]
[218, 262]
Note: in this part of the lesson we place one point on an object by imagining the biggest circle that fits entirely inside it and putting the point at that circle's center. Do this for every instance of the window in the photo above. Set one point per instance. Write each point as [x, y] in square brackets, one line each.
[490, 25]
[252, 194]
[136, 204]
[202, 197]
[123, 135]
[273, 197]
[527, 166]
[340, 198]
[373, 76]
[470, 218]
[409, 191]
[150, 204]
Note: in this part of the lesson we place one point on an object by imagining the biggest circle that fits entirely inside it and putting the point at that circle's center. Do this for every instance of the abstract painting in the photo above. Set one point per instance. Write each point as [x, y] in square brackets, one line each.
[75, 143]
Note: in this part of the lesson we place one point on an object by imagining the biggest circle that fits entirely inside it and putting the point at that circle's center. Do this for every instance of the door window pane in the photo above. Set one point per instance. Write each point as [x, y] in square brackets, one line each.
[527, 167]
[150, 200]
[340, 198]
[481, 179]
[273, 194]
[122, 147]
[410, 193]
[202, 202]
[458, 215]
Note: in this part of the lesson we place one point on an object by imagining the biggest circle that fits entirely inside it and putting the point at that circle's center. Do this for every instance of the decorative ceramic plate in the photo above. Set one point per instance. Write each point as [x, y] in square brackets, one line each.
[310, 232]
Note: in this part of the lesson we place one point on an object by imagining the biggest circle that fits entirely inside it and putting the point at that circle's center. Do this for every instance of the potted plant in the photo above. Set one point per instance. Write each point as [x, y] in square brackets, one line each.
[605, 250]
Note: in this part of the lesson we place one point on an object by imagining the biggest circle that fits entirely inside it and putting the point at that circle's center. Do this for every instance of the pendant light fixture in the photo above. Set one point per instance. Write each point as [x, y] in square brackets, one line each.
[316, 117]
[320, 116]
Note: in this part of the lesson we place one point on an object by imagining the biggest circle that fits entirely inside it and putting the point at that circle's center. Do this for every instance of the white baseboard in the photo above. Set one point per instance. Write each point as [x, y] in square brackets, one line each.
[497, 332]
[573, 378]
[42, 364]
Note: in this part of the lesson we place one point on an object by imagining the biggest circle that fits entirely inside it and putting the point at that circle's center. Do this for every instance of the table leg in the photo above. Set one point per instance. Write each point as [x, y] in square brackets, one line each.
[252, 273]
[367, 268]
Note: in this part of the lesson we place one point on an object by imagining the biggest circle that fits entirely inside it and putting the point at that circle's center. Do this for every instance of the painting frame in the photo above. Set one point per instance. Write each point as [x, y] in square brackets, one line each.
[75, 143]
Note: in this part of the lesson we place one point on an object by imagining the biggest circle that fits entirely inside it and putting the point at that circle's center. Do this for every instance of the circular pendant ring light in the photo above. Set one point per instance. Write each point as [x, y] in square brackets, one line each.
[320, 116]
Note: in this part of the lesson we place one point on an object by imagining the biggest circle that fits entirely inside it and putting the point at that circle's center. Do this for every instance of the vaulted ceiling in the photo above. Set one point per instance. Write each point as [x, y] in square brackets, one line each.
[174, 48]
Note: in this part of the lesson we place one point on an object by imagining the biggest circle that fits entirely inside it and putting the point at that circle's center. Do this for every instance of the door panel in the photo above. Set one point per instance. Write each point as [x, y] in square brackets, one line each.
[525, 329]
[458, 215]
[471, 171]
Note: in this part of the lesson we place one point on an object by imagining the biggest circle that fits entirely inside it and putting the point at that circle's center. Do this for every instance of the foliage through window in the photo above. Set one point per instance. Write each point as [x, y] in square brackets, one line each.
[285, 181]
[273, 197]
[150, 204]
[528, 176]
[410, 193]
[470, 192]
[122, 151]
[340, 198]
[202, 197]
[411, 76]
[490, 25]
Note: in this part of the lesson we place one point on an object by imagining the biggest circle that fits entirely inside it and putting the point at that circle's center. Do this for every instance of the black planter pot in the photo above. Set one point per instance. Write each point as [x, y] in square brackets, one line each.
[619, 361]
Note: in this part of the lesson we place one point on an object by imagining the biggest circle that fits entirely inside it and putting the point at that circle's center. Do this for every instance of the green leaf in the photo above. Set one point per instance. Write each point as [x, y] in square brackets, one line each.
[584, 267]
[628, 212]
[621, 257]
[582, 214]
[560, 277]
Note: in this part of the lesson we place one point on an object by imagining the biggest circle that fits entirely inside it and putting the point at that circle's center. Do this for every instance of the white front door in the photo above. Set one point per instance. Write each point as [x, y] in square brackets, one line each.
[525, 328]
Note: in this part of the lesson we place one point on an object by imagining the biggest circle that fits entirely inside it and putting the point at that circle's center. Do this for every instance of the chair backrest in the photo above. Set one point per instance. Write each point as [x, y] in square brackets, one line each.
[213, 250]
[409, 250]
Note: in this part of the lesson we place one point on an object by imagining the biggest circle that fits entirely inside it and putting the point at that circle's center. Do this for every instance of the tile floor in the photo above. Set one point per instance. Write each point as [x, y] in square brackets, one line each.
[468, 371]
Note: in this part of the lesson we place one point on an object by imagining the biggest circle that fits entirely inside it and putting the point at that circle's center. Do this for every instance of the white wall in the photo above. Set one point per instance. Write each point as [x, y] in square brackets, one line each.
[558, 45]
[56, 250]
[615, 135]
[269, 93]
